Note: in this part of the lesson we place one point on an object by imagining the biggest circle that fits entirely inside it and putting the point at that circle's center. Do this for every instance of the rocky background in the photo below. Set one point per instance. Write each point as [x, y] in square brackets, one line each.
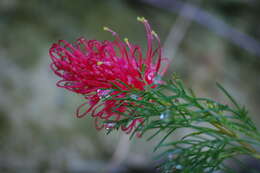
[207, 42]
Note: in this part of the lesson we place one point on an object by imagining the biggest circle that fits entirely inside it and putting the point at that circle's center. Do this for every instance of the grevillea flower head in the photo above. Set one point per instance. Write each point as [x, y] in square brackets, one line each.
[93, 69]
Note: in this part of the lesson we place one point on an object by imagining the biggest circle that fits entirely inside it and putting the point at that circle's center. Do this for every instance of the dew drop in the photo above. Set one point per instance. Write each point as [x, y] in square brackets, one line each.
[109, 125]
[162, 116]
[170, 156]
[165, 115]
[150, 76]
[178, 167]
[103, 93]
[157, 80]
[134, 96]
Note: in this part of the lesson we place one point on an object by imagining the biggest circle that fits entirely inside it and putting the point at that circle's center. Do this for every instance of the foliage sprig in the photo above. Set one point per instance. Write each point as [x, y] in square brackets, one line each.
[215, 132]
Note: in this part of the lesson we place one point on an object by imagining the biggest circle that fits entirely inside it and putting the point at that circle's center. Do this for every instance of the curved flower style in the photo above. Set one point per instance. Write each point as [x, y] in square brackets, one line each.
[93, 69]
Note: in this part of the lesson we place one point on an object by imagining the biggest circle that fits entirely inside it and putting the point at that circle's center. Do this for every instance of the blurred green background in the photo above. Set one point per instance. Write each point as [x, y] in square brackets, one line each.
[207, 41]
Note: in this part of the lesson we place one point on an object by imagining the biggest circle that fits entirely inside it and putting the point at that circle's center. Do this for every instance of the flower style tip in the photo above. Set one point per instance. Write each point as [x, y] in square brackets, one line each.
[141, 19]
[96, 69]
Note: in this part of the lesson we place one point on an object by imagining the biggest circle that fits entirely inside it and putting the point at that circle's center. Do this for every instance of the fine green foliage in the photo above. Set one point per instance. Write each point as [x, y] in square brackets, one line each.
[214, 132]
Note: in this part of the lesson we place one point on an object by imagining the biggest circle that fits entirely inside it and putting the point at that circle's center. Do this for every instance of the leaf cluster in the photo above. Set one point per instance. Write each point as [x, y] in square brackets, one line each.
[216, 132]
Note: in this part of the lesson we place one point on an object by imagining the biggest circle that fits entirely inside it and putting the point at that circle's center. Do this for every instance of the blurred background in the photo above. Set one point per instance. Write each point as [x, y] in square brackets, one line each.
[207, 41]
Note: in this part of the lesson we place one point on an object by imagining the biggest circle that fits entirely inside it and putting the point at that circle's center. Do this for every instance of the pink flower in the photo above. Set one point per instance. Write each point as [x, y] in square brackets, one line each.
[93, 69]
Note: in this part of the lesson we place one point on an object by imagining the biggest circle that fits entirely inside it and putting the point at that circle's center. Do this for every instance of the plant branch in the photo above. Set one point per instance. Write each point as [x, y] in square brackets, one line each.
[218, 132]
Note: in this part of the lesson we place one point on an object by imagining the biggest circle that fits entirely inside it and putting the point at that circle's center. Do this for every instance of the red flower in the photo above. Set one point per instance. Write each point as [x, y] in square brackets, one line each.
[93, 69]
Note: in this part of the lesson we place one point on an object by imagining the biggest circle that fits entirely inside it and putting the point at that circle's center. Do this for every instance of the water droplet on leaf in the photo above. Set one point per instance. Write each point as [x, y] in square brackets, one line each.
[134, 96]
[165, 115]
[178, 167]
